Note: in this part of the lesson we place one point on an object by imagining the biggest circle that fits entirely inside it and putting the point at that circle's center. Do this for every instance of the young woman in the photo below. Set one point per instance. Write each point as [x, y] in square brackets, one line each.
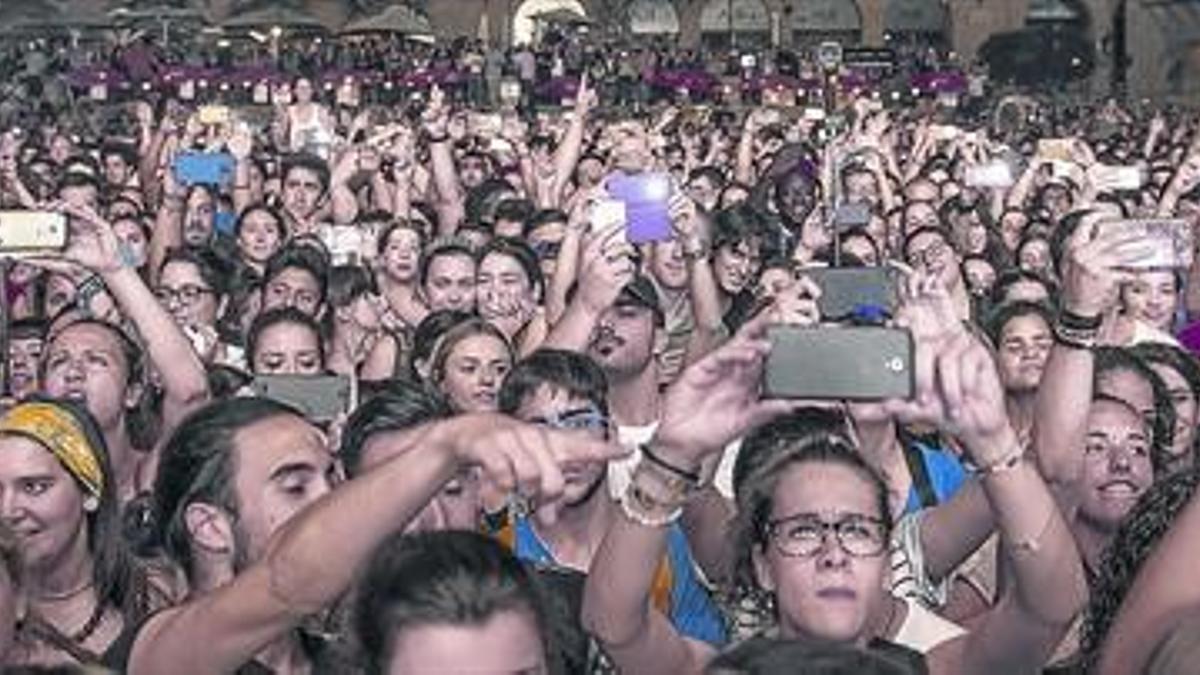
[1151, 297]
[83, 586]
[1180, 374]
[359, 345]
[509, 289]
[260, 233]
[192, 287]
[285, 341]
[470, 363]
[814, 521]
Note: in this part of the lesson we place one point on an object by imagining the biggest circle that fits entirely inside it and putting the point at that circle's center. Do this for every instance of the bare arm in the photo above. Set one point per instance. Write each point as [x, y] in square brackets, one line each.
[714, 401]
[219, 631]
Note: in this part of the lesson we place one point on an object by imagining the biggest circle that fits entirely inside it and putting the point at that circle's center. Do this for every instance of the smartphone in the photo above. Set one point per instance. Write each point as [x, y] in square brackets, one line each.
[848, 292]
[213, 115]
[945, 132]
[26, 233]
[345, 243]
[510, 92]
[1158, 243]
[839, 363]
[646, 197]
[994, 175]
[206, 168]
[1122, 178]
[814, 114]
[606, 214]
[487, 125]
[1055, 149]
[321, 398]
[847, 216]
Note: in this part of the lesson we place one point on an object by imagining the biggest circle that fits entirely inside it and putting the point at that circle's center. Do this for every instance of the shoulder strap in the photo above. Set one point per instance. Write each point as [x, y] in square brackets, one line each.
[915, 460]
[660, 589]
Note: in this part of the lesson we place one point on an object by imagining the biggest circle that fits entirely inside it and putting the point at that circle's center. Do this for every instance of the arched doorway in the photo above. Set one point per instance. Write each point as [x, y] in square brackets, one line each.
[915, 22]
[741, 23]
[653, 17]
[530, 22]
[817, 21]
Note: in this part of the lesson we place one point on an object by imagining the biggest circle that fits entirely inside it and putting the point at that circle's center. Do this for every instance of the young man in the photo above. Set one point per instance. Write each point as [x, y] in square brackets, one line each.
[566, 390]
[247, 513]
[447, 277]
[1022, 333]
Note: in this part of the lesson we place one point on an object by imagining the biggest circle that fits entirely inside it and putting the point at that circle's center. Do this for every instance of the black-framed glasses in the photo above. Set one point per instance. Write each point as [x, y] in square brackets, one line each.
[804, 535]
[187, 294]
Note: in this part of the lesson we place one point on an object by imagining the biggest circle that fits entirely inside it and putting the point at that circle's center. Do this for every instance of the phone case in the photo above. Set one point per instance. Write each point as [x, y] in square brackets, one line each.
[646, 197]
[30, 232]
[860, 364]
[1172, 248]
[846, 291]
[320, 398]
[192, 168]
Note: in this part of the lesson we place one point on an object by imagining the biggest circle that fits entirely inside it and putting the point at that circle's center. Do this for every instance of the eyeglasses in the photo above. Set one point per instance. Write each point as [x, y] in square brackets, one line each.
[188, 294]
[933, 251]
[583, 419]
[804, 535]
[546, 250]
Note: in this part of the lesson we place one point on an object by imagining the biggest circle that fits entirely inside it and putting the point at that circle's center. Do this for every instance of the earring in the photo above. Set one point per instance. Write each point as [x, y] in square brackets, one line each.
[91, 504]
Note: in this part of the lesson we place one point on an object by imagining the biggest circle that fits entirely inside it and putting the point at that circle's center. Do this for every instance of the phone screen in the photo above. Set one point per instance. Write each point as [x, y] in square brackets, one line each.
[646, 197]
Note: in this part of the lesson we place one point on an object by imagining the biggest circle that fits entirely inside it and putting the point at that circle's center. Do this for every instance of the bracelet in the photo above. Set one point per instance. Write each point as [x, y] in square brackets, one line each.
[697, 251]
[1076, 338]
[1005, 464]
[653, 499]
[433, 140]
[1073, 321]
[691, 477]
[1033, 544]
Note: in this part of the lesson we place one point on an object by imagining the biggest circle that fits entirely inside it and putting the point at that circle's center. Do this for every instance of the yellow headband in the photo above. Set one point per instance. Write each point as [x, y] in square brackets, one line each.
[61, 434]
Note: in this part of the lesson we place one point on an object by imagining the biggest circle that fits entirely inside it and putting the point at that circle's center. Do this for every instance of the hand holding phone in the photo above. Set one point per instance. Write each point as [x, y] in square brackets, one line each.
[30, 233]
[851, 363]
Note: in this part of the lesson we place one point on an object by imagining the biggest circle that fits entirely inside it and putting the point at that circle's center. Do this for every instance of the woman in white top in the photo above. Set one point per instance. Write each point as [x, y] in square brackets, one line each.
[308, 123]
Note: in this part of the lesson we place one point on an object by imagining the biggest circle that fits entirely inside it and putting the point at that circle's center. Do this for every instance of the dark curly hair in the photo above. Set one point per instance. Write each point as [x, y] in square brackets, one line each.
[1133, 542]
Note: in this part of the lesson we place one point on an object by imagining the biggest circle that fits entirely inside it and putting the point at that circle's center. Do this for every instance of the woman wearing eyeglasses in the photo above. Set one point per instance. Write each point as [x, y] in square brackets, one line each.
[814, 522]
[191, 287]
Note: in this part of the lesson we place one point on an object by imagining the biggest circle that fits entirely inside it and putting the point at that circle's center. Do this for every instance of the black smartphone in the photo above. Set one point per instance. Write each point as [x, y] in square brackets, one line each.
[321, 398]
[848, 292]
[839, 363]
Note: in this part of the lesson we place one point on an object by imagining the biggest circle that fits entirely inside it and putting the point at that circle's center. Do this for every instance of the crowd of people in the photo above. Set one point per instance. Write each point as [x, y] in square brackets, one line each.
[398, 389]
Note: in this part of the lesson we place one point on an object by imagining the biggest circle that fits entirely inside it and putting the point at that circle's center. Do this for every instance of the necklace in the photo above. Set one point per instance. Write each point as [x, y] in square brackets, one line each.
[66, 595]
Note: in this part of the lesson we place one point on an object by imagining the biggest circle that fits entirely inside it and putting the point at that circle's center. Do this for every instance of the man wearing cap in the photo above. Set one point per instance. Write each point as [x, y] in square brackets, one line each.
[614, 315]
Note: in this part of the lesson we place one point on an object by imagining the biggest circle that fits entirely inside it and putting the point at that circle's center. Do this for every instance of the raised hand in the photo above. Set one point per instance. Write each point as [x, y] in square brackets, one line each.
[436, 117]
[520, 458]
[716, 399]
[92, 242]
[1091, 266]
[607, 266]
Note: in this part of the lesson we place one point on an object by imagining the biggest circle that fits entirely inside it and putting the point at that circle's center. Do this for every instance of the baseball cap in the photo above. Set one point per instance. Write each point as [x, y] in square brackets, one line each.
[640, 291]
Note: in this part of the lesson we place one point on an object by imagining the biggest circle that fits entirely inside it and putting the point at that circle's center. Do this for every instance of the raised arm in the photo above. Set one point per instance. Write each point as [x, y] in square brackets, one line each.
[450, 207]
[219, 631]
[713, 402]
[606, 265]
[570, 146]
[185, 384]
[958, 388]
[1090, 278]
